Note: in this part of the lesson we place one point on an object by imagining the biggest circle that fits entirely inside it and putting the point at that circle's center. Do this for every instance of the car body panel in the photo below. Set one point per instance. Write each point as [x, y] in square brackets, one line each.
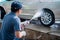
[29, 9]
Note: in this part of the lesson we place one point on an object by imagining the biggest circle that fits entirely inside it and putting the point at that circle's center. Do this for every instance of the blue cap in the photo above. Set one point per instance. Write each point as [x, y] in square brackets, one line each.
[16, 5]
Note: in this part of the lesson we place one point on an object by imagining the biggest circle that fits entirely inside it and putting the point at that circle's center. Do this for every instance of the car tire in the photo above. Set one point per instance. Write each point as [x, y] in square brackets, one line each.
[51, 19]
[2, 12]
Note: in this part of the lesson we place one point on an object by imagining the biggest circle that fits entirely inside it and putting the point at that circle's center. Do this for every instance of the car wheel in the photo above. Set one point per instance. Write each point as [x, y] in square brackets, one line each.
[47, 18]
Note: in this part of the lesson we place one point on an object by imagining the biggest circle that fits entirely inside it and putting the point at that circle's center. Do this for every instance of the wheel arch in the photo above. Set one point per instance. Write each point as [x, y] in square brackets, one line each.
[47, 9]
[3, 12]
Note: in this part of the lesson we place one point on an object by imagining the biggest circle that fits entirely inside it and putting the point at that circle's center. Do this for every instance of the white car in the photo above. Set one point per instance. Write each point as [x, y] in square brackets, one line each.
[50, 10]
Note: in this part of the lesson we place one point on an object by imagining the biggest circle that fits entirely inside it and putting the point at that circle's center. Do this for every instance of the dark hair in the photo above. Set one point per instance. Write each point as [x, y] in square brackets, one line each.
[15, 6]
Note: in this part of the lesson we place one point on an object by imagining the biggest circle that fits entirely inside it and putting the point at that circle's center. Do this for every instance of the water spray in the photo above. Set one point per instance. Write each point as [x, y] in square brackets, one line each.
[38, 14]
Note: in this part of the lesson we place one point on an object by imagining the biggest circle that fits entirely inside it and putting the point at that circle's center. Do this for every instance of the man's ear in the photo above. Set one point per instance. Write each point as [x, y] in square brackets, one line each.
[20, 11]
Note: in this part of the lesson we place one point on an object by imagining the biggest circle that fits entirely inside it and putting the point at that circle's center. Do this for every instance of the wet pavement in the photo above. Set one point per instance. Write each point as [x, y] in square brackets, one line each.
[35, 25]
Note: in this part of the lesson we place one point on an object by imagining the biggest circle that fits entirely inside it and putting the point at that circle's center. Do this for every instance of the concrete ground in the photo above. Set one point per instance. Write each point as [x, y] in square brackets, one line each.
[35, 31]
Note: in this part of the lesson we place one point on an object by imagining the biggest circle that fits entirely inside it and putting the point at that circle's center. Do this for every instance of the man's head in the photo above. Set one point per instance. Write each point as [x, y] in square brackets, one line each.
[16, 7]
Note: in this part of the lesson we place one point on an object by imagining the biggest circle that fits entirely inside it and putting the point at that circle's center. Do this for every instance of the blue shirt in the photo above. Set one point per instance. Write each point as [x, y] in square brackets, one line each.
[10, 24]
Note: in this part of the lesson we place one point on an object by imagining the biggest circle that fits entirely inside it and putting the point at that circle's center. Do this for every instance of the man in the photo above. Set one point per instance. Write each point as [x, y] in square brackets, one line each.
[11, 28]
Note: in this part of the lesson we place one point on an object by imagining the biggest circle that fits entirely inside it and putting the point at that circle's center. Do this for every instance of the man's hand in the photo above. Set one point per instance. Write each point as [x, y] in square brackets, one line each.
[25, 22]
[23, 33]
[19, 34]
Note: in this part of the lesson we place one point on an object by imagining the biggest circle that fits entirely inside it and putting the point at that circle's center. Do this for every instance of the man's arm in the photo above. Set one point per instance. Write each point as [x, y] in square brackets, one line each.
[18, 34]
[17, 28]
